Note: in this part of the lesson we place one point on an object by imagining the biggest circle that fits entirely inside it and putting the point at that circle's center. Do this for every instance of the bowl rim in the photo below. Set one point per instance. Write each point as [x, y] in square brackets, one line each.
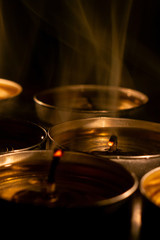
[105, 122]
[43, 138]
[101, 203]
[10, 83]
[143, 179]
[127, 91]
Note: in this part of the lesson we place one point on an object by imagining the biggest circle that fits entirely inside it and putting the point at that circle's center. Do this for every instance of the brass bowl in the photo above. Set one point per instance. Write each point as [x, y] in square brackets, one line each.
[150, 186]
[20, 135]
[92, 195]
[88, 180]
[138, 146]
[9, 93]
[65, 103]
[150, 190]
[9, 89]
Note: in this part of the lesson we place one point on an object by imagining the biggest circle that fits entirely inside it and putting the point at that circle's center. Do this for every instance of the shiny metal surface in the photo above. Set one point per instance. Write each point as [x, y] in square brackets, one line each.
[138, 141]
[9, 89]
[149, 188]
[82, 101]
[88, 180]
[9, 94]
[21, 135]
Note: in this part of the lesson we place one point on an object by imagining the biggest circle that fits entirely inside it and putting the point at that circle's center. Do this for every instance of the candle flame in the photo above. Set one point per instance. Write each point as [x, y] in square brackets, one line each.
[110, 143]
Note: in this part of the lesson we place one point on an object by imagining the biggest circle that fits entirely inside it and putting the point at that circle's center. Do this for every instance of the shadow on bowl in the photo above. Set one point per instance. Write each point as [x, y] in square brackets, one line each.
[18, 135]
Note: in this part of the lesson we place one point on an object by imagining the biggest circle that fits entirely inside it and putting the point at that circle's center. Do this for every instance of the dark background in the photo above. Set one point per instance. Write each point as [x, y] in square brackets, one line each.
[32, 46]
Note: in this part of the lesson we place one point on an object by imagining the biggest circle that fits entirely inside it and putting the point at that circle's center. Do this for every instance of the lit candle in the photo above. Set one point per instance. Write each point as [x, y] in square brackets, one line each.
[56, 158]
[66, 180]
[133, 143]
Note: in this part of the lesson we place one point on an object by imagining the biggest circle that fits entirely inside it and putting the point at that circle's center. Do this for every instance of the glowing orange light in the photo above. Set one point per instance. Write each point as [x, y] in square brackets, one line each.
[58, 153]
[110, 144]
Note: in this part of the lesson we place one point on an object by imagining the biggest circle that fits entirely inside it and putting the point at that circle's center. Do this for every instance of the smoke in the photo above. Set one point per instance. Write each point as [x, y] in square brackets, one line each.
[91, 36]
[18, 34]
[119, 22]
[85, 41]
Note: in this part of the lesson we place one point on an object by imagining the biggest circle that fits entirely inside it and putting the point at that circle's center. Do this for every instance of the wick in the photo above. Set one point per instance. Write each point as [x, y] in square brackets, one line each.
[112, 143]
[56, 157]
[52, 195]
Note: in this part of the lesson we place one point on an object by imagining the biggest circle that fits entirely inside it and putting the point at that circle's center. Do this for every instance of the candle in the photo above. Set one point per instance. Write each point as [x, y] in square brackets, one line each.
[92, 196]
[56, 158]
[137, 142]
[80, 180]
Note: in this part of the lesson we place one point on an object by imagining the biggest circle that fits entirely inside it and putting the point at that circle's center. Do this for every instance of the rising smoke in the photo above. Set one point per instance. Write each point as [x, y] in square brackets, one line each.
[91, 38]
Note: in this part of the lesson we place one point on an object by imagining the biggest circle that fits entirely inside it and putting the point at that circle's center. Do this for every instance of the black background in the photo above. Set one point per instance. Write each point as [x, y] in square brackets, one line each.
[30, 46]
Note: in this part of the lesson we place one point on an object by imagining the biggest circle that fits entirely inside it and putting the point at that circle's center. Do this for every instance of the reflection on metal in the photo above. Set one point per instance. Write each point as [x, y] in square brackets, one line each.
[136, 219]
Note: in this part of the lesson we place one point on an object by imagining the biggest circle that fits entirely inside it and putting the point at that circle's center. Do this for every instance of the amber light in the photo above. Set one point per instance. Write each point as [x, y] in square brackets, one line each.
[110, 144]
[58, 153]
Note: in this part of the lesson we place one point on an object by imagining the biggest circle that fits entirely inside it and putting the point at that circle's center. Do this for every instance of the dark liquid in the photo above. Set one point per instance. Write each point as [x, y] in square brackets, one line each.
[82, 183]
[76, 184]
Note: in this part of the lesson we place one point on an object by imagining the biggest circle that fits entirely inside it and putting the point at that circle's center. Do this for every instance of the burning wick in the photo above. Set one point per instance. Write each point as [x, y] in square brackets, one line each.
[111, 148]
[56, 157]
[51, 176]
[112, 144]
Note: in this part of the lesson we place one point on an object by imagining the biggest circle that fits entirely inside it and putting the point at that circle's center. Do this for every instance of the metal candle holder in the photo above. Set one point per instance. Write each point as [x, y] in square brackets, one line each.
[138, 142]
[65, 103]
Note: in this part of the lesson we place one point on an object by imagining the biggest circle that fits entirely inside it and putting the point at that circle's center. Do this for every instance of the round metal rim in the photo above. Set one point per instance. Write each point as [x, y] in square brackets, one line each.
[14, 84]
[33, 146]
[144, 98]
[142, 190]
[102, 203]
[108, 121]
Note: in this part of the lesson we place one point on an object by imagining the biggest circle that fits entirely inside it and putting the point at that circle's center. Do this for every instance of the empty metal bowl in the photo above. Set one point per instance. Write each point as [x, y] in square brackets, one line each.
[9, 89]
[9, 92]
[65, 103]
[17, 135]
